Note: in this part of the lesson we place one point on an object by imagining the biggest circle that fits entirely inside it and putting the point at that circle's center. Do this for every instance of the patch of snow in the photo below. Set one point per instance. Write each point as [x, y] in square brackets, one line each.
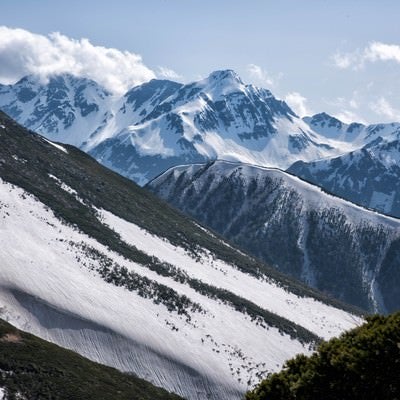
[16, 158]
[57, 146]
[67, 188]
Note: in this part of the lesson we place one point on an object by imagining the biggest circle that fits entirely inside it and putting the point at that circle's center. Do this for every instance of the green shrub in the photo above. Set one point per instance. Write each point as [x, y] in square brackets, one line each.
[361, 364]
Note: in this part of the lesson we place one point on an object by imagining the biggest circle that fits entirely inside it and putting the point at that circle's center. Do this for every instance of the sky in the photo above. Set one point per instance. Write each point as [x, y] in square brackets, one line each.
[337, 56]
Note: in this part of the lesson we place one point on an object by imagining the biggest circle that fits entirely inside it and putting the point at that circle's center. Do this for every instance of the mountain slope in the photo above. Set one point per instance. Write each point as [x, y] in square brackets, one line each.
[331, 244]
[162, 123]
[33, 368]
[94, 263]
[369, 176]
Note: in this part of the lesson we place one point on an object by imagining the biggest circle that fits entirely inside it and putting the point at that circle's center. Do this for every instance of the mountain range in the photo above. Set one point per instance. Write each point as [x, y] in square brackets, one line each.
[368, 176]
[345, 250]
[96, 264]
[161, 123]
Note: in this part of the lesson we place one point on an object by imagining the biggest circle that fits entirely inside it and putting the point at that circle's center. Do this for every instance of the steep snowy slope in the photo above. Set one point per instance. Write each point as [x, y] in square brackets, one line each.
[94, 263]
[162, 123]
[32, 368]
[333, 245]
[369, 176]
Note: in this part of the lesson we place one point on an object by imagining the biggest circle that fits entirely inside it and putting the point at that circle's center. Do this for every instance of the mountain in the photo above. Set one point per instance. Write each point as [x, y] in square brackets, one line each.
[357, 134]
[369, 176]
[329, 243]
[35, 369]
[361, 364]
[96, 264]
[65, 108]
[162, 123]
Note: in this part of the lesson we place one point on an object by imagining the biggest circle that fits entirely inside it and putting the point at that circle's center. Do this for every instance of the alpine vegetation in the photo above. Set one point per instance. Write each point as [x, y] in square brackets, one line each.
[96, 264]
[360, 364]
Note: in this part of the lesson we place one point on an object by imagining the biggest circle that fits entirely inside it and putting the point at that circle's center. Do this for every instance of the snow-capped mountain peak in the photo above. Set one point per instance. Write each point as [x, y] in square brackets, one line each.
[221, 83]
[64, 106]
[162, 123]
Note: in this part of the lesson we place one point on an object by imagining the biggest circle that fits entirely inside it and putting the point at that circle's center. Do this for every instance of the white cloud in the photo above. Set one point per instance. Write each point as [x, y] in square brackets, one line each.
[23, 53]
[375, 51]
[260, 76]
[168, 73]
[353, 103]
[383, 108]
[382, 52]
[298, 103]
[347, 109]
[348, 117]
[343, 61]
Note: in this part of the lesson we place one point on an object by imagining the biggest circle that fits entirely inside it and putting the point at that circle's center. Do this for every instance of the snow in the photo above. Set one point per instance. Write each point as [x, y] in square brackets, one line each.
[67, 188]
[355, 136]
[57, 146]
[46, 289]
[219, 84]
[31, 114]
[2, 394]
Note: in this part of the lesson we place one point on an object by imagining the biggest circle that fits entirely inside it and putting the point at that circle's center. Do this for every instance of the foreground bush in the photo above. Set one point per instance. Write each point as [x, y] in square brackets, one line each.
[361, 364]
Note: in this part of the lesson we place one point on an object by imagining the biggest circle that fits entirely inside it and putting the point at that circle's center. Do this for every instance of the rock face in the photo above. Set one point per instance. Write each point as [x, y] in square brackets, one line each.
[162, 123]
[342, 249]
[92, 262]
[369, 176]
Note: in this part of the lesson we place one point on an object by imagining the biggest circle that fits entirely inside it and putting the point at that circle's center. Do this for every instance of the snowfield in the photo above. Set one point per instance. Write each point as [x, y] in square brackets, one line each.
[51, 287]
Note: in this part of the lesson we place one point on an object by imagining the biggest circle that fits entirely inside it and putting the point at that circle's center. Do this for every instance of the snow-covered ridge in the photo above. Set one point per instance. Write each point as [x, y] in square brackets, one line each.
[313, 193]
[48, 268]
[292, 225]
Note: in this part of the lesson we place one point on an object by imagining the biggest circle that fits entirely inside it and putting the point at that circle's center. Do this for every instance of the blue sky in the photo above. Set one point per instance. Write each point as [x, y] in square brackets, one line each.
[342, 57]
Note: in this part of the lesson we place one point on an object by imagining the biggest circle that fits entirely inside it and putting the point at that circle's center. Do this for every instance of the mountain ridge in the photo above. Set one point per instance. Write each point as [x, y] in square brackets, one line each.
[346, 175]
[290, 223]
